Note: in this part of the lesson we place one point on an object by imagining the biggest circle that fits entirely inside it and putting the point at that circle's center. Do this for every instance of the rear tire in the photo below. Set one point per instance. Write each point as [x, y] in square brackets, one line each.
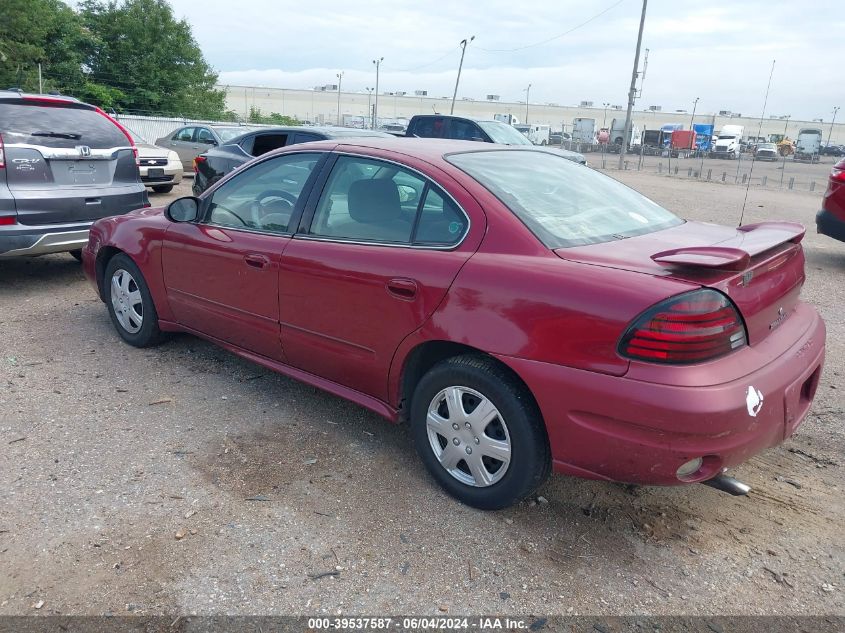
[479, 432]
[130, 303]
[163, 188]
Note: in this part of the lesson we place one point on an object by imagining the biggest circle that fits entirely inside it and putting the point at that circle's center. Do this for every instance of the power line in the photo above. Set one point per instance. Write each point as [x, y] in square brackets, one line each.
[551, 39]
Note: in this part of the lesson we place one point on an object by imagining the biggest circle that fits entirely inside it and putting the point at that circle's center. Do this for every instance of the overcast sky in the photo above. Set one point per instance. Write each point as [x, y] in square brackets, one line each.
[720, 50]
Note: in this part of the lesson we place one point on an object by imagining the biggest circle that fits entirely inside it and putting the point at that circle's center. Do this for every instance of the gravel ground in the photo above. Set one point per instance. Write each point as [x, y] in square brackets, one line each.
[182, 479]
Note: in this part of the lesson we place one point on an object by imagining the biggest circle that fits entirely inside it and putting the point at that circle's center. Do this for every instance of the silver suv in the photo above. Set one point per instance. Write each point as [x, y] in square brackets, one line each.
[63, 164]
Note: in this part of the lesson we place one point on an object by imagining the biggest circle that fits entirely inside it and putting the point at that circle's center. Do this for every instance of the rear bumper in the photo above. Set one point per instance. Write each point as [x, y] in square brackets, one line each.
[828, 224]
[29, 241]
[171, 175]
[621, 429]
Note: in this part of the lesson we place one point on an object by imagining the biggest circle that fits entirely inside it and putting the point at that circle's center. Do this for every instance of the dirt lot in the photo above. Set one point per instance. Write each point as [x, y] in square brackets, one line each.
[110, 454]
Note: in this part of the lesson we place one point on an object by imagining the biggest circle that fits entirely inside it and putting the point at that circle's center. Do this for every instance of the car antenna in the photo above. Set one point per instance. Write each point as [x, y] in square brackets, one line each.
[754, 155]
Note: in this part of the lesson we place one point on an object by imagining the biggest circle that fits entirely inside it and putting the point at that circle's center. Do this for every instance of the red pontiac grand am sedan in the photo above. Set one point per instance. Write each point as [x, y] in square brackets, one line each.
[524, 313]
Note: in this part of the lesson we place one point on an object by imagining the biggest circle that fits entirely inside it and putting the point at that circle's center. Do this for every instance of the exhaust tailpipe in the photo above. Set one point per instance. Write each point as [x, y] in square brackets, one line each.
[729, 485]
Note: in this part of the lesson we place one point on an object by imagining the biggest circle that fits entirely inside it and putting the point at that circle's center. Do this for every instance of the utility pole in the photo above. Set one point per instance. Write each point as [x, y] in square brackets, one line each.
[527, 95]
[830, 133]
[40, 84]
[339, 79]
[692, 118]
[464, 43]
[632, 93]
[377, 62]
[604, 121]
[369, 107]
[787, 117]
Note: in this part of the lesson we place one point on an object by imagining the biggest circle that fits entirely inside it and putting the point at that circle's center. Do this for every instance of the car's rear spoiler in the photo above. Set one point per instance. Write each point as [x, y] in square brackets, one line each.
[736, 253]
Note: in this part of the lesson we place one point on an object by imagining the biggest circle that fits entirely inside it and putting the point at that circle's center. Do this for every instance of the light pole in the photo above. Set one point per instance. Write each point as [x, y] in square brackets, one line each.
[377, 63]
[464, 43]
[369, 107]
[632, 92]
[830, 133]
[692, 118]
[785, 125]
[604, 121]
[339, 79]
[527, 94]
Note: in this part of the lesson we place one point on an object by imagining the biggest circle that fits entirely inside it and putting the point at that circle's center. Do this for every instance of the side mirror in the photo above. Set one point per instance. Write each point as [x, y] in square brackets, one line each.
[183, 209]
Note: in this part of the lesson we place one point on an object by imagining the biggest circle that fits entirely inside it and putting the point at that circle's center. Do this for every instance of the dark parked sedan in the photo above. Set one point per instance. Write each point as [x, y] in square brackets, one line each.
[212, 165]
[523, 313]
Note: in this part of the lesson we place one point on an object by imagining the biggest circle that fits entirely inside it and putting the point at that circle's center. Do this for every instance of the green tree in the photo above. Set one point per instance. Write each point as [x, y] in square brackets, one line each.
[256, 116]
[151, 59]
[41, 31]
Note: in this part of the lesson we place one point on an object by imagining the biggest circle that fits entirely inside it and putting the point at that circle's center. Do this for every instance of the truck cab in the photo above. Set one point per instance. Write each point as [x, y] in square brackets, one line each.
[728, 143]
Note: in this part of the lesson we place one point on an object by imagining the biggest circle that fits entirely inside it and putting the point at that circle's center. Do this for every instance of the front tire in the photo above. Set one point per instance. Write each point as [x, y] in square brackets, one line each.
[130, 303]
[479, 433]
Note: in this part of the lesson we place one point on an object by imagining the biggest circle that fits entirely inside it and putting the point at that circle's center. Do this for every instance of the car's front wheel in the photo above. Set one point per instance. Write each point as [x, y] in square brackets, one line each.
[479, 432]
[129, 302]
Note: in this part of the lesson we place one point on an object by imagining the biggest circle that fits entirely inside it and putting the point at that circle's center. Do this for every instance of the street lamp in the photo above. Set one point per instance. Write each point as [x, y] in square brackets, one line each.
[787, 117]
[377, 63]
[527, 94]
[339, 79]
[604, 121]
[692, 118]
[835, 110]
[369, 107]
[464, 43]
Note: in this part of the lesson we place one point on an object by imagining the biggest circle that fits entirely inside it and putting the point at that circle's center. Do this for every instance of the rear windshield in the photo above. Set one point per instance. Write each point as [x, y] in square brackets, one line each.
[226, 134]
[561, 202]
[57, 126]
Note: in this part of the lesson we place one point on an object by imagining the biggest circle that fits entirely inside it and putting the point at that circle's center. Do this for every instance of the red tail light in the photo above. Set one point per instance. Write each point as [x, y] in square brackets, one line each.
[8, 220]
[689, 328]
[2, 153]
[838, 173]
[197, 161]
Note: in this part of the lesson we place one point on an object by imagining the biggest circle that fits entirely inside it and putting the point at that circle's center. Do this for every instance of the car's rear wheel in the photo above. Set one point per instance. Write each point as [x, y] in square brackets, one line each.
[163, 188]
[479, 432]
[129, 302]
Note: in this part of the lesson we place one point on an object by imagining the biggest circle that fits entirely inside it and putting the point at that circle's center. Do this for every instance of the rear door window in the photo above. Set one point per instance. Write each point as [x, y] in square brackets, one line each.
[267, 142]
[465, 131]
[58, 126]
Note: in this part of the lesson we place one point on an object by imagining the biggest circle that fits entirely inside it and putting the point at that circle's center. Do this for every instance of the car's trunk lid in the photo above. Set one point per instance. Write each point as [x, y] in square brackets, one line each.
[760, 267]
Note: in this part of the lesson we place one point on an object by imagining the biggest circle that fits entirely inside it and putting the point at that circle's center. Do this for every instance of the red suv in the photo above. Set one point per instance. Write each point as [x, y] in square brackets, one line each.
[830, 220]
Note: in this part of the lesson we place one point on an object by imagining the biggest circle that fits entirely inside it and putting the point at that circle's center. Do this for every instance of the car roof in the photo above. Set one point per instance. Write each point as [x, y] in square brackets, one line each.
[30, 96]
[431, 150]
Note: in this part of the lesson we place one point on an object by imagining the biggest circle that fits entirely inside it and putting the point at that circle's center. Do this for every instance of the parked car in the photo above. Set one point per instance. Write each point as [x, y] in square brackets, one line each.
[766, 151]
[63, 164]
[468, 129]
[833, 150]
[523, 313]
[189, 141]
[160, 168]
[830, 220]
[211, 166]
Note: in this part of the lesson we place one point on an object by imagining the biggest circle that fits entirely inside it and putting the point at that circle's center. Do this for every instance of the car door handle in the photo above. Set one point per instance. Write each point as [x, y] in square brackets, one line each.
[257, 261]
[402, 288]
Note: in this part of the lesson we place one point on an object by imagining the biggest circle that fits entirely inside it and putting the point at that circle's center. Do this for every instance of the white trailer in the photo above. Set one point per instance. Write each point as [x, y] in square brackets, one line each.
[537, 134]
[584, 130]
[808, 145]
